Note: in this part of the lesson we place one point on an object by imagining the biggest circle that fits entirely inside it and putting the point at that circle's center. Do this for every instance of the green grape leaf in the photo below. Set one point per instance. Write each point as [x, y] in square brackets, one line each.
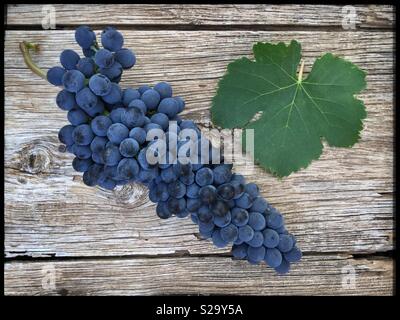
[294, 114]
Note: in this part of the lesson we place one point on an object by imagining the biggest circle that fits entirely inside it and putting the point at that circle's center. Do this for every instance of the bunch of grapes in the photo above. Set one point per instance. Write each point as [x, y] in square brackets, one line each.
[136, 135]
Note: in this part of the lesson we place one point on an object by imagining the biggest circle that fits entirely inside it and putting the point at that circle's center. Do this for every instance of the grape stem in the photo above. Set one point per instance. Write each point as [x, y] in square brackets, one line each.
[25, 48]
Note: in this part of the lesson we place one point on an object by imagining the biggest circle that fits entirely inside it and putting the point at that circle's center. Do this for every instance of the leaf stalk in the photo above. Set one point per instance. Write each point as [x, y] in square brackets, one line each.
[25, 48]
[300, 77]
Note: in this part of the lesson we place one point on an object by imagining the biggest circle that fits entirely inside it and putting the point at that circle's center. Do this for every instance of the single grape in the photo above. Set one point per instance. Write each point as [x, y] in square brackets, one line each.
[85, 37]
[244, 201]
[137, 103]
[252, 190]
[77, 116]
[285, 243]
[229, 233]
[162, 210]
[226, 191]
[151, 98]
[259, 204]
[112, 72]
[193, 204]
[256, 254]
[206, 227]
[293, 255]
[100, 85]
[73, 81]
[107, 183]
[112, 39]
[129, 147]
[284, 267]
[256, 221]
[239, 188]
[97, 110]
[193, 217]
[66, 100]
[177, 189]
[222, 173]
[192, 191]
[240, 251]
[55, 75]
[128, 168]
[273, 257]
[98, 157]
[65, 135]
[204, 214]
[168, 106]
[139, 134]
[240, 216]
[100, 125]
[81, 165]
[217, 239]
[257, 240]
[223, 221]
[164, 89]
[187, 124]
[219, 208]
[188, 179]
[204, 177]
[86, 99]
[116, 115]
[208, 194]
[181, 104]
[91, 176]
[82, 152]
[69, 59]
[160, 119]
[111, 172]
[115, 94]
[182, 169]
[274, 220]
[142, 89]
[271, 238]
[182, 214]
[86, 66]
[111, 155]
[82, 135]
[126, 58]
[146, 176]
[176, 205]
[129, 95]
[246, 233]
[142, 159]
[117, 132]
[104, 58]
[88, 53]
[281, 229]
[132, 117]
[151, 126]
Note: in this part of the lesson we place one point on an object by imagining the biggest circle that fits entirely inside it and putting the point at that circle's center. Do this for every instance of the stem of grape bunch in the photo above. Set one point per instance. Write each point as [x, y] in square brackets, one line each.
[25, 48]
[114, 132]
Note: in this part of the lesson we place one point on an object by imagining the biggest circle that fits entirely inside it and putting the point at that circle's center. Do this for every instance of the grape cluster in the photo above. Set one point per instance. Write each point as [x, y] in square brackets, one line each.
[226, 209]
[136, 135]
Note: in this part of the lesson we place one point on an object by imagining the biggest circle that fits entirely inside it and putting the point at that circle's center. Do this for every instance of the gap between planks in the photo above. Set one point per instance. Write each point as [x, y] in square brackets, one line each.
[314, 275]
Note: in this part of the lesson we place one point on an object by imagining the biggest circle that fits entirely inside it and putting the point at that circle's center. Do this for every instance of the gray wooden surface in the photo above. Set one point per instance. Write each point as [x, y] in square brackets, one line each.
[101, 242]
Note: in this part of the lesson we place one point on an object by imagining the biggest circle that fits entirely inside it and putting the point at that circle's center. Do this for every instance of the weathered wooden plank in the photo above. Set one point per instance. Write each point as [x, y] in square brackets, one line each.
[341, 203]
[315, 275]
[372, 16]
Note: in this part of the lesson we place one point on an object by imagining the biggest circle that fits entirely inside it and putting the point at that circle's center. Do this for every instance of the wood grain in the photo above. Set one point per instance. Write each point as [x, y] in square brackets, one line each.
[101, 242]
[342, 202]
[259, 15]
[315, 275]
